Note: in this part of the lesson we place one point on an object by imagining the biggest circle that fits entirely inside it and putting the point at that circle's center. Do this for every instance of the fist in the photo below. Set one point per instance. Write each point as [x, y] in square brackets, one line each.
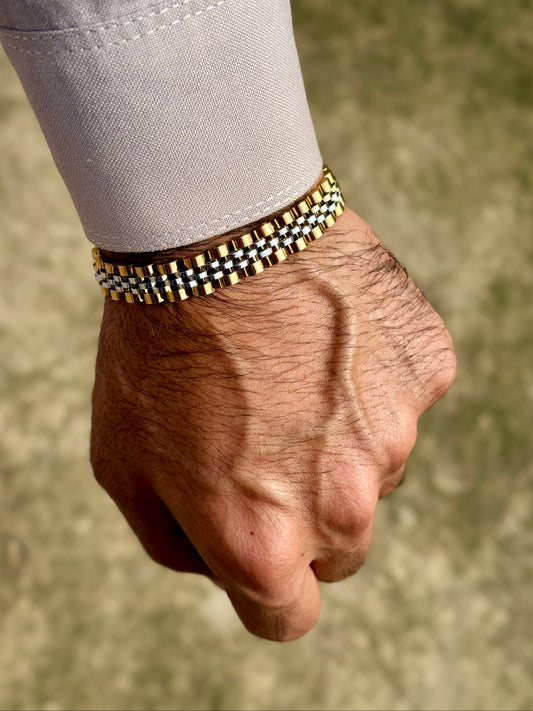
[248, 435]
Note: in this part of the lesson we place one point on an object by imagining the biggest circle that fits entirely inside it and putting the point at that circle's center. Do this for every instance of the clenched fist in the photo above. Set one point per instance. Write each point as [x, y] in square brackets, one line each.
[249, 434]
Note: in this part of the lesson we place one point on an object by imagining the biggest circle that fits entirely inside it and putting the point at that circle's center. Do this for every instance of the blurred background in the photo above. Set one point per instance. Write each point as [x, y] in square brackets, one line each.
[425, 112]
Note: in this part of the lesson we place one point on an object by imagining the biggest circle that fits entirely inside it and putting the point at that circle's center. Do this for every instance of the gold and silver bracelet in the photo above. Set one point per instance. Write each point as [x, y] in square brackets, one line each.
[267, 244]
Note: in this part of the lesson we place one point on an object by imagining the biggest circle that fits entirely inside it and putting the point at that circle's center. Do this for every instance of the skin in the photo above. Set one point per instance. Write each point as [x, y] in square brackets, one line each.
[249, 435]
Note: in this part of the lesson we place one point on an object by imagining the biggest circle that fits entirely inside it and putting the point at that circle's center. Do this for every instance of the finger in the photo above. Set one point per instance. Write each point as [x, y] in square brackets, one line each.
[347, 522]
[276, 615]
[391, 482]
[334, 566]
[437, 364]
[257, 556]
[159, 533]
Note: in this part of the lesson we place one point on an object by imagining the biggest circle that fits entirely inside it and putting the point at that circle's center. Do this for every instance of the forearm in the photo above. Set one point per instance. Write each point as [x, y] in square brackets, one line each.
[171, 123]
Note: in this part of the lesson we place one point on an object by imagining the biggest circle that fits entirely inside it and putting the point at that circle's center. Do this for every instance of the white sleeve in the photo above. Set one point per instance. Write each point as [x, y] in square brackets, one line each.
[170, 121]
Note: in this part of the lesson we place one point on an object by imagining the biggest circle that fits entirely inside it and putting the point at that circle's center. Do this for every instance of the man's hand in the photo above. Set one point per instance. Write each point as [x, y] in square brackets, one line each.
[248, 435]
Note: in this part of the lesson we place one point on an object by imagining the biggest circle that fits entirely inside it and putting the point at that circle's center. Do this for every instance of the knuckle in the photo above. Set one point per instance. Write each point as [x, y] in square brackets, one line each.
[391, 483]
[339, 567]
[97, 460]
[108, 469]
[346, 516]
[99, 472]
[261, 569]
[102, 471]
[158, 554]
[265, 582]
[364, 515]
[446, 371]
[443, 364]
[400, 437]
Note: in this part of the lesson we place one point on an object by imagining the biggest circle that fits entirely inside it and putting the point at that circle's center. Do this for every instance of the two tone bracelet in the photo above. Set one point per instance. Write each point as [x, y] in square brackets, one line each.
[267, 244]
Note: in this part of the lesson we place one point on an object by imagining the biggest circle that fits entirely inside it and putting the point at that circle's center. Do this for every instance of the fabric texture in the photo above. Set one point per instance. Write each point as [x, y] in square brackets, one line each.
[169, 121]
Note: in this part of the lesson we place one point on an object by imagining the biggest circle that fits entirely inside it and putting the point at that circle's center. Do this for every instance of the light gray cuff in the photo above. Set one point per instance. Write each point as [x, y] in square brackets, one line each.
[169, 124]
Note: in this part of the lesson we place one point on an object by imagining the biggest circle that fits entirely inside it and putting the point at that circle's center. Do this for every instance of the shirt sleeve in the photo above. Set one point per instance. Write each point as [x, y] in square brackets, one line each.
[169, 121]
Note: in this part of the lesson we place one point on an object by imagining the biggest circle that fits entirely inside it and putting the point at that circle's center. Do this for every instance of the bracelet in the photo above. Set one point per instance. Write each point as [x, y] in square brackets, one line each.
[268, 244]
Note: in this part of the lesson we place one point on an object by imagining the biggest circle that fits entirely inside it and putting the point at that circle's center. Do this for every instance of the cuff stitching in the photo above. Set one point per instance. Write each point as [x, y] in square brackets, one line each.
[41, 35]
[218, 220]
[115, 43]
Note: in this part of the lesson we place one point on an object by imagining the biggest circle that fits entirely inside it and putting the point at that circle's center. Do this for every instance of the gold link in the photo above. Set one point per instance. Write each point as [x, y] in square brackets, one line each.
[276, 257]
[245, 240]
[115, 295]
[286, 218]
[168, 267]
[234, 245]
[145, 271]
[110, 268]
[339, 209]
[230, 279]
[315, 197]
[325, 187]
[206, 288]
[330, 220]
[298, 212]
[130, 298]
[222, 250]
[105, 290]
[264, 230]
[98, 262]
[124, 270]
[297, 246]
[254, 268]
[316, 232]
[281, 254]
[198, 260]
[152, 298]
[302, 207]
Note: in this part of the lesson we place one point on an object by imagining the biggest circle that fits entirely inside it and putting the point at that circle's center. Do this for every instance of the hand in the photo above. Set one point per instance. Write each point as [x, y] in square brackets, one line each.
[248, 435]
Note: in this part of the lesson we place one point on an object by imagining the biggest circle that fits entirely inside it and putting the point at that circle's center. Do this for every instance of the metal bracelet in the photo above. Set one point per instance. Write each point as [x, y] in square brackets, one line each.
[268, 244]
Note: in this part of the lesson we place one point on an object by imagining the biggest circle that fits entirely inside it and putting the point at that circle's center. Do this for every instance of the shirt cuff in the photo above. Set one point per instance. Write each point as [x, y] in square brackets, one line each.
[170, 124]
